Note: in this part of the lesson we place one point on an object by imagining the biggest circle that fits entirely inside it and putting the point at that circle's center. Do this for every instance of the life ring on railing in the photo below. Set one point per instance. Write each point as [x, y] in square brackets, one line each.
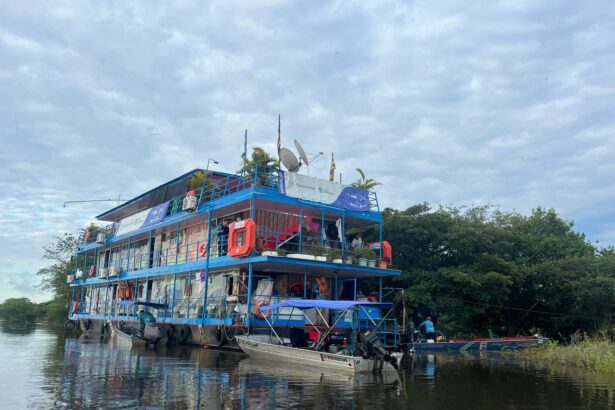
[86, 237]
[257, 308]
[75, 307]
[245, 248]
[202, 249]
[92, 271]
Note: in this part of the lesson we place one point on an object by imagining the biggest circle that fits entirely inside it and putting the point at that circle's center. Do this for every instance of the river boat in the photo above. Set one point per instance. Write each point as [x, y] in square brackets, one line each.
[477, 344]
[126, 337]
[360, 352]
[213, 248]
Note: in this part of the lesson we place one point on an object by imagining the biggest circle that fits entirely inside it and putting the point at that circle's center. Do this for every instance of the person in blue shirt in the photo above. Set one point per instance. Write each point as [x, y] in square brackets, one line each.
[144, 318]
[430, 331]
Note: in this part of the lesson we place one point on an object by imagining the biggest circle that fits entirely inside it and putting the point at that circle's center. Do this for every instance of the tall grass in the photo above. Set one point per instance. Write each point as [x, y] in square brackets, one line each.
[592, 353]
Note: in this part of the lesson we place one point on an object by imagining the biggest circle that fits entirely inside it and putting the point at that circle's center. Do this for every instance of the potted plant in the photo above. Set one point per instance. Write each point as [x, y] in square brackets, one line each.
[336, 255]
[368, 256]
[350, 259]
[320, 252]
[281, 252]
[383, 263]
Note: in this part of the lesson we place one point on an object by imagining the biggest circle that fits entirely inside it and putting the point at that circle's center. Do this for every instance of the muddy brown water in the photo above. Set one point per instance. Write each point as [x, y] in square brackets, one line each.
[43, 368]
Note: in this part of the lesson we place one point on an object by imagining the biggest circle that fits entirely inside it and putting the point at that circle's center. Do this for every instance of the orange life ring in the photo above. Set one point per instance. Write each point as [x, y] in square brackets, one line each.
[248, 227]
[202, 249]
[120, 291]
[257, 308]
[86, 237]
[75, 307]
[92, 271]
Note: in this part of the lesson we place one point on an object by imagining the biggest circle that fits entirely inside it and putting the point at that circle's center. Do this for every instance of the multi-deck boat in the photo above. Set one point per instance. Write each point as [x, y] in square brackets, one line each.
[287, 239]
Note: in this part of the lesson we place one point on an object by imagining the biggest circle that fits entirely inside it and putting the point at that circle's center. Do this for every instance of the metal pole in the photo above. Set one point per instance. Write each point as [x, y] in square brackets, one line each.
[380, 257]
[249, 304]
[207, 263]
[300, 227]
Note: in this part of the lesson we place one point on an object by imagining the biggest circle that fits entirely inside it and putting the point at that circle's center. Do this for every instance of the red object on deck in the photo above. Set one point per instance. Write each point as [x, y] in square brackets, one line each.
[236, 249]
[313, 335]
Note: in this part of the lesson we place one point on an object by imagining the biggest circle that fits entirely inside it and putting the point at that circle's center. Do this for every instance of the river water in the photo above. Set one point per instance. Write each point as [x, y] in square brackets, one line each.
[43, 368]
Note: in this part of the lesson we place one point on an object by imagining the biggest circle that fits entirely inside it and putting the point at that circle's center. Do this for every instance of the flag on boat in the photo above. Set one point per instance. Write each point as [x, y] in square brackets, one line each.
[332, 169]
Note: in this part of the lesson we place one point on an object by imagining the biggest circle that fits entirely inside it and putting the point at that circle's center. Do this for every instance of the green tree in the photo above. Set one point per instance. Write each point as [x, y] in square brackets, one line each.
[259, 166]
[19, 310]
[53, 277]
[480, 269]
[364, 183]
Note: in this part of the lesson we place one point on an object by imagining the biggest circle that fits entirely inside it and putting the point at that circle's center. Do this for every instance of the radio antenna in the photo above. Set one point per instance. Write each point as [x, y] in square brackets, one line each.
[118, 200]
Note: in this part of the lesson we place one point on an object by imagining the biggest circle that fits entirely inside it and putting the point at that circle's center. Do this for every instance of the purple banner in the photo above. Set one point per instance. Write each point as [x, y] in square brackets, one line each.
[353, 198]
[156, 214]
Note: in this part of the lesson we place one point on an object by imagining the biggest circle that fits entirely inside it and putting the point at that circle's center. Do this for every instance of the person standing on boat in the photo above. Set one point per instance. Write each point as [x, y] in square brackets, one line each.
[222, 236]
[430, 331]
[323, 287]
[144, 318]
[357, 242]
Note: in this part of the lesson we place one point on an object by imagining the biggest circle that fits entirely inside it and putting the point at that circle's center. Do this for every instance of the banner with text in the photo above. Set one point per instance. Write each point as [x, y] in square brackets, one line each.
[323, 191]
[143, 219]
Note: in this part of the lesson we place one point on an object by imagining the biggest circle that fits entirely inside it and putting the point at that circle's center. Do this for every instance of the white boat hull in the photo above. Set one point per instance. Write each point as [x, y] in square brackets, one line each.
[259, 349]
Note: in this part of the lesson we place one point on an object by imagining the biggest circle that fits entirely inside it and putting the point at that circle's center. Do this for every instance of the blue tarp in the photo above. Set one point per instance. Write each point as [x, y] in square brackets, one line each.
[146, 304]
[324, 304]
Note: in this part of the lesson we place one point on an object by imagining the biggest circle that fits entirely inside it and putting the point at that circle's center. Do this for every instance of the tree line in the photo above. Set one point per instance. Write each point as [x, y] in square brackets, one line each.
[479, 270]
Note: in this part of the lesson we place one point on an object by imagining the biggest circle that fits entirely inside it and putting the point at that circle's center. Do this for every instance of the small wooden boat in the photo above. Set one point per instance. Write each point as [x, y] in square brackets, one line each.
[366, 354]
[259, 347]
[478, 344]
[123, 338]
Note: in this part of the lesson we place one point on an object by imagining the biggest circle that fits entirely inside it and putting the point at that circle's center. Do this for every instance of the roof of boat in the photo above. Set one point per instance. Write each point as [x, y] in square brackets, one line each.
[324, 304]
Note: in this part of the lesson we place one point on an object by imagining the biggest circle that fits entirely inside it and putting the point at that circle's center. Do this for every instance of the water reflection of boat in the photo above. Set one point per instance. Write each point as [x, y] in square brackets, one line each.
[362, 352]
[479, 344]
[296, 373]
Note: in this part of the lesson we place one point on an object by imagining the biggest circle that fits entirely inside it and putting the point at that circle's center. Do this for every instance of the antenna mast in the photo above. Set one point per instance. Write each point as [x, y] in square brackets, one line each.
[118, 200]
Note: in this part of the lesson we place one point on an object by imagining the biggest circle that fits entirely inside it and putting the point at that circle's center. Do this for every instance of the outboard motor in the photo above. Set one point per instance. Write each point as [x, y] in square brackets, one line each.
[374, 348]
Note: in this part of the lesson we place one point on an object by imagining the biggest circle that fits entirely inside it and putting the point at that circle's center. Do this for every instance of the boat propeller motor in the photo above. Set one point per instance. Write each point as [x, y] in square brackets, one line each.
[374, 347]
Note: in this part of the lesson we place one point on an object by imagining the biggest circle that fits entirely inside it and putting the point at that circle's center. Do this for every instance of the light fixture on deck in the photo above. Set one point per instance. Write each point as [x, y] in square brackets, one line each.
[210, 160]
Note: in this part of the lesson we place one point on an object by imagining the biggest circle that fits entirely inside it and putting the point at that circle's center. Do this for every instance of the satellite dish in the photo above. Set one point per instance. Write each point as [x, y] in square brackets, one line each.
[289, 160]
[301, 152]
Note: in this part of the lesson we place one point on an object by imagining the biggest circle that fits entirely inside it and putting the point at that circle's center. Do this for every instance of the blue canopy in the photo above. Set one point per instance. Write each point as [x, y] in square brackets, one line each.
[324, 304]
[146, 304]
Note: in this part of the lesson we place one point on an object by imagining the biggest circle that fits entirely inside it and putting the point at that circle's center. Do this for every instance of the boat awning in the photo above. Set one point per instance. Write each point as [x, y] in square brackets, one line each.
[324, 304]
[146, 304]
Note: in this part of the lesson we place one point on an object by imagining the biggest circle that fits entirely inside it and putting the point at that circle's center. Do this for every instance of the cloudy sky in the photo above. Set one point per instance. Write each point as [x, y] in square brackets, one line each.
[508, 103]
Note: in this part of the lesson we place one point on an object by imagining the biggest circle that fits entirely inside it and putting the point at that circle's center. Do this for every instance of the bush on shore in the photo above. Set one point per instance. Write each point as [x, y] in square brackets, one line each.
[596, 354]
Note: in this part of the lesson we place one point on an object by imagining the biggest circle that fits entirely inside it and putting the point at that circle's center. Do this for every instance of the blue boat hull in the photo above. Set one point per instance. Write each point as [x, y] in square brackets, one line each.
[503, 344]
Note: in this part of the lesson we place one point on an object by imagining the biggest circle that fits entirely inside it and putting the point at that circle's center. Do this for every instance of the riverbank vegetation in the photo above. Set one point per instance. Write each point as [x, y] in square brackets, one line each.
[596, 354]
[481, 271]
[53, 277]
